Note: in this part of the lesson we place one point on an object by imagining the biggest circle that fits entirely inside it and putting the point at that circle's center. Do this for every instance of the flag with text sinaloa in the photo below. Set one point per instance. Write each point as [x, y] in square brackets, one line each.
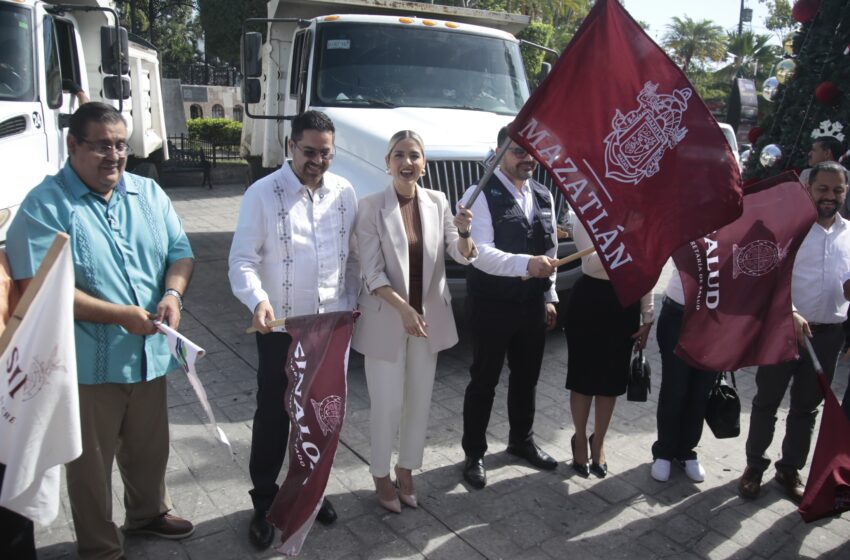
[315, 402]
[637, 154]
[737, 281]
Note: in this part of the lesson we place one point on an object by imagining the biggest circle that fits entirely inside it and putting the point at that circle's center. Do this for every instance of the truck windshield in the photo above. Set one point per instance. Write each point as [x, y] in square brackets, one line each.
[404, 66]
[17, 80]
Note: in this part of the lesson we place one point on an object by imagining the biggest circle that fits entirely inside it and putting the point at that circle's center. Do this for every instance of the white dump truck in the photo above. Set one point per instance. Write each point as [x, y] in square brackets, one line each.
[47, 50]
[454, 75]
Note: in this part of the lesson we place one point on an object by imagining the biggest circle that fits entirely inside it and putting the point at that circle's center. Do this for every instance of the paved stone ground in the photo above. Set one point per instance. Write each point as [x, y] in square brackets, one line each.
[522, 513]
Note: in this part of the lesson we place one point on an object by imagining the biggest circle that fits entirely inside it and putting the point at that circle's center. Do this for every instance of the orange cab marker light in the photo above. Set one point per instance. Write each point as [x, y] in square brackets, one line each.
[331, 18]
[405, 20]
[429, 22]
[452, 25]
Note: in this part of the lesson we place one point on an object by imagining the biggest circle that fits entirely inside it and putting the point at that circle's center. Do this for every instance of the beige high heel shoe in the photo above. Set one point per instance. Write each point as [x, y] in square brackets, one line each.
[407, 499]
[392, 505]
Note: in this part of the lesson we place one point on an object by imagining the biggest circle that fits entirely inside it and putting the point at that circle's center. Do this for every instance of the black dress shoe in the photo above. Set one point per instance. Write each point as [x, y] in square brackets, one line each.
[327, 513]
[474, 472]
[600, 470]
[260, 532]
[582, 470]
[534, 455]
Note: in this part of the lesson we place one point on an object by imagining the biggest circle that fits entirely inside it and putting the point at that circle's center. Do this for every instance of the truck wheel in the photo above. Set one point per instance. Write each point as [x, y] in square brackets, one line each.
[147, 169]
[256, 171]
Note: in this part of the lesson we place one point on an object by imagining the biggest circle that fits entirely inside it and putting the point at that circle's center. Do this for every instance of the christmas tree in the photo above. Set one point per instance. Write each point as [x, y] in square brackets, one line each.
[811, 91]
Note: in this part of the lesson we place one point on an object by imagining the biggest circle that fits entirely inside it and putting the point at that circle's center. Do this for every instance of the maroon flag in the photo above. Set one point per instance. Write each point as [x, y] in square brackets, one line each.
[737, 281]
[828, 487]
[634, 149]
[315, 401]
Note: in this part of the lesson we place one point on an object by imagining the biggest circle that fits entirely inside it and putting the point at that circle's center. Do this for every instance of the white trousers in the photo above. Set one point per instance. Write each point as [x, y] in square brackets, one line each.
[400, 395]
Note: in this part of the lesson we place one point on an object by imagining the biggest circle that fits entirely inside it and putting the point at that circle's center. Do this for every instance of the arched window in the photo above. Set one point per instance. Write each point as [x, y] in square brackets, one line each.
[195, 111]
[217, 111]
[237, 113]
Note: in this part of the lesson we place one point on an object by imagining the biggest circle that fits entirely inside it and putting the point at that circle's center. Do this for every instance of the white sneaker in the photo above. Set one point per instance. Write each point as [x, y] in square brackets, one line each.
[693, 470]
[660, 470]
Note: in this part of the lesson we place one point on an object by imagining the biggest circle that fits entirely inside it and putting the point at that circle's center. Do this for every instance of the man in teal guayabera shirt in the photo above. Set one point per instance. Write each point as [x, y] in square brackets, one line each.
[132, 263]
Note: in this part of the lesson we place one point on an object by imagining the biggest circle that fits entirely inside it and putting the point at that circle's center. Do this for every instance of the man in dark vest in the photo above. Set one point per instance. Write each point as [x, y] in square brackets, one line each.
[514, 230]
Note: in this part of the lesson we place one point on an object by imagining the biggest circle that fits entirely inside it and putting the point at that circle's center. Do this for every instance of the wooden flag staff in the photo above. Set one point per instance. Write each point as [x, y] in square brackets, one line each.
[270, 324]
[570, 258]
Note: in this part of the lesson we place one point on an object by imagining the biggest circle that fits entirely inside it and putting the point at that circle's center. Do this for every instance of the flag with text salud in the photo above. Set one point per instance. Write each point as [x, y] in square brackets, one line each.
[737, 281]
[39, 401]
[315, 401]
[637, 154]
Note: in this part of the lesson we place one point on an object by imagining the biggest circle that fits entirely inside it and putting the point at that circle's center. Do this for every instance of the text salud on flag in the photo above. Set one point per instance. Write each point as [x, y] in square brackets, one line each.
[39, 404]
[737, 281]
[637, 154]
[315, 401]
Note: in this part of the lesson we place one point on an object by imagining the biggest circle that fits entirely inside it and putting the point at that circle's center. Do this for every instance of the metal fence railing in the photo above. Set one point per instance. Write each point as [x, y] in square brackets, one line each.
[212, 152]
[202, 74]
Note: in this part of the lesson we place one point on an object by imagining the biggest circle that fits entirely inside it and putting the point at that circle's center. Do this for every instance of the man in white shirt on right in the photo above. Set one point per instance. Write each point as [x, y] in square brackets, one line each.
[821, 265]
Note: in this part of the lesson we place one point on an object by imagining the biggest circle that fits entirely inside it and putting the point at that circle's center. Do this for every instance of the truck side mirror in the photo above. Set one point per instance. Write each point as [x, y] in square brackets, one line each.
[252, 63]
[250, 90]
[545, 69]
[108, 61]
[52, 64]
[116, 87]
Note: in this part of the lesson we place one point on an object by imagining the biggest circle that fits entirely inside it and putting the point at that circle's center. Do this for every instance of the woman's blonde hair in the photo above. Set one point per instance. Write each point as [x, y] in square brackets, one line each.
[404, 135]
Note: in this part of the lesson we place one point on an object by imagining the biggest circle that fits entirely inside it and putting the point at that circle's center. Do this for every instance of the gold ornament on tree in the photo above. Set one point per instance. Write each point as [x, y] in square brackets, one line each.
[785, 70]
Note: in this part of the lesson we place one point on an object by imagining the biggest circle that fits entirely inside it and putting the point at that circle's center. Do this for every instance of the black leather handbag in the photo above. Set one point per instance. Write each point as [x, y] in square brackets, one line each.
[639, 374]
[723, 414]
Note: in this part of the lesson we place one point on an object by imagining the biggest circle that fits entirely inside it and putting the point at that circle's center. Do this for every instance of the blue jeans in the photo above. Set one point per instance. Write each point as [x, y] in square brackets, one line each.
[684, 392]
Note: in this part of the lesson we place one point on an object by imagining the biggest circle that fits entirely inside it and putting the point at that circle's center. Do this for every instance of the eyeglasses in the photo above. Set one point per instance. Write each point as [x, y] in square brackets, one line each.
[105, 148]
[518, 152]
[310, 153]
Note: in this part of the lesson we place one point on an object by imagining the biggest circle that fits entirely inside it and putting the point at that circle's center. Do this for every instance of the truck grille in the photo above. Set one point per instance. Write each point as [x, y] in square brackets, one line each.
[453, 177]
[13, 126]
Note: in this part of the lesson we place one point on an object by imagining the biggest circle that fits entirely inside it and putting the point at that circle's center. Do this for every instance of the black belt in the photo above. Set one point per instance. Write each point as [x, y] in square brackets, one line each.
[677, 306]
[823, 327]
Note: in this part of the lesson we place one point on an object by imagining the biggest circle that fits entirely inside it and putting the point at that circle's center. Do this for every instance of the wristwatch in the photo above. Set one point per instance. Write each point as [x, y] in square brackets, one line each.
[176, 294]
[464, 234]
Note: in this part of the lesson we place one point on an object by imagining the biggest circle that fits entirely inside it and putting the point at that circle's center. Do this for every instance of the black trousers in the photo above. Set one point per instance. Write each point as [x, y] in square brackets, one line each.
[684, 393]
[499, 329]
[17, 537]
[771, 385]
[270, 434]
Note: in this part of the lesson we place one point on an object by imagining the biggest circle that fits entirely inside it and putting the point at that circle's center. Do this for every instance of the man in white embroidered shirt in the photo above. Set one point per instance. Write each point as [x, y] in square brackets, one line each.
[821, 265]
[292, 254]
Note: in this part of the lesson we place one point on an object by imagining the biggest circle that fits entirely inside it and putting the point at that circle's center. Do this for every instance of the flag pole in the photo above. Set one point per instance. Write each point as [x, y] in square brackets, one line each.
[815, 361]
[488, 172]
[270, 324]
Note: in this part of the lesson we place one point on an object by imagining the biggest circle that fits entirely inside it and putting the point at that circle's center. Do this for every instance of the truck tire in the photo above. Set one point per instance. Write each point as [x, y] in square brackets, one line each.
[256, 171]
[147, 169]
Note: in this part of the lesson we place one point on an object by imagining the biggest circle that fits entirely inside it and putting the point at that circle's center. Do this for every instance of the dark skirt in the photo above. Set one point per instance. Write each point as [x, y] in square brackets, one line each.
[599, 338]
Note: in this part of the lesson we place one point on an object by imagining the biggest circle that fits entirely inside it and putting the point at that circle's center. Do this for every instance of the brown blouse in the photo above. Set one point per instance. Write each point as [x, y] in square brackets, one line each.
[413, 228]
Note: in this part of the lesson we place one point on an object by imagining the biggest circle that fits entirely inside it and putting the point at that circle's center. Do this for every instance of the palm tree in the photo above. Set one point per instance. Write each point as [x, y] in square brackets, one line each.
[753, 55]
[694, 41]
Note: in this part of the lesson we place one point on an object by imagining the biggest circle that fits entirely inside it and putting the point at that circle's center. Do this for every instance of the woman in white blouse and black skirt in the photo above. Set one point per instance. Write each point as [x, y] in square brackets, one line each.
[600, 336]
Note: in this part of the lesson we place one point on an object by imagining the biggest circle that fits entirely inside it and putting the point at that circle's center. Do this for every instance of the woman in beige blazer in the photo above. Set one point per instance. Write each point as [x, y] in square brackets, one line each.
[403, 234]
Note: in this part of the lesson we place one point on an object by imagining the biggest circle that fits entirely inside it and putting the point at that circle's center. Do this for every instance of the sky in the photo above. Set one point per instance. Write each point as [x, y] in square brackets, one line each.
[658, 13]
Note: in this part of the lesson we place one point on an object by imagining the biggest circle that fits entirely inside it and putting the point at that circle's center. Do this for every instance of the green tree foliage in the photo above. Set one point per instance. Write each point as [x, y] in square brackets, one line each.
[220, 132]
[222, 23]
[753, 56]
[175, 31]
[539, 33]
[779, 18]
[694, 42]
[819, 55]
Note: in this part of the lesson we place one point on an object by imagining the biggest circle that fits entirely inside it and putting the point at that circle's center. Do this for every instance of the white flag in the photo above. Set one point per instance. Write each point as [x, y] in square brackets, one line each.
[187, 353]
[39, 400]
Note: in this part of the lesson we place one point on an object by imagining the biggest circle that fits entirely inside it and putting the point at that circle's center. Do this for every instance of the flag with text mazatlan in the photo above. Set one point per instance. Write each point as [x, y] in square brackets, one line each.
[315, 401]
[737, 281]
[637, 154]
